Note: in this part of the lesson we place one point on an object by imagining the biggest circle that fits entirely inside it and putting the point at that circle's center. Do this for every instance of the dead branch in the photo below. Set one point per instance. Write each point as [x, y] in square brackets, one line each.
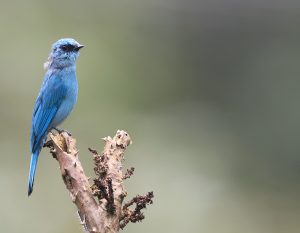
[100, 204]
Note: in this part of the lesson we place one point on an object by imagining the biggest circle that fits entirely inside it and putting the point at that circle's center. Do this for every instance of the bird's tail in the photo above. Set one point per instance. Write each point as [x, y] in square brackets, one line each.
[33, 162]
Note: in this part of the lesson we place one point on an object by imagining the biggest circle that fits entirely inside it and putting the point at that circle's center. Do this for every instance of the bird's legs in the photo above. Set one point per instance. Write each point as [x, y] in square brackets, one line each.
[62, 130]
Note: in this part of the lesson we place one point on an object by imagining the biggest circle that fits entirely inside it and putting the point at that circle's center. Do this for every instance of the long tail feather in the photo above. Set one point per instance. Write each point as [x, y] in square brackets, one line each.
[33, 162]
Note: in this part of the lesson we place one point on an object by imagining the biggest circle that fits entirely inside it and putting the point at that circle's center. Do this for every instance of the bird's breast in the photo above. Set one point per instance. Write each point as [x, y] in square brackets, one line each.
[70, 98]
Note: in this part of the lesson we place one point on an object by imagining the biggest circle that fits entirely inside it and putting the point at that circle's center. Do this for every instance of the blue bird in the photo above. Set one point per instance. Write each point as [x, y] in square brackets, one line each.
[56, 99]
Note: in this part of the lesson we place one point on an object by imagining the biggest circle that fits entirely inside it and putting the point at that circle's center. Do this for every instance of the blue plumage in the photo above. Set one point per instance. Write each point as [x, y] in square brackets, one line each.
[56, 99]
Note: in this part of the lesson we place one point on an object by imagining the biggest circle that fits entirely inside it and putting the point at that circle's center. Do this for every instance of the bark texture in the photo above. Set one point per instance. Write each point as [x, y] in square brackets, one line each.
[99, 204]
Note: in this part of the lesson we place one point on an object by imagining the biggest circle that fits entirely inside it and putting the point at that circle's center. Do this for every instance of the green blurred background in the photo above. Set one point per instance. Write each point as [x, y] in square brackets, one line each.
[208, 90]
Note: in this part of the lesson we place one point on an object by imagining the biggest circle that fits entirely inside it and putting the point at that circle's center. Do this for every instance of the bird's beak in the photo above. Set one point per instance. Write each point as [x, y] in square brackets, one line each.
[80, 46]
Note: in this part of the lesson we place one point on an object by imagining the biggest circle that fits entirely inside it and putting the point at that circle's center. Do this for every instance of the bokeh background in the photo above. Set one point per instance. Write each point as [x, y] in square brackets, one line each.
[209, 91]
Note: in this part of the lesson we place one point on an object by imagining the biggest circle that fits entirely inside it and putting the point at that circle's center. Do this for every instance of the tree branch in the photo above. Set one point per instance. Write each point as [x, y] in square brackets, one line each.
[100, 204]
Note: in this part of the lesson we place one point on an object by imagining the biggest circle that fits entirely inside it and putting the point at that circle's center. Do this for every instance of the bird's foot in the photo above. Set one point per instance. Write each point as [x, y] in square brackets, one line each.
[48, 144]
[62, 130]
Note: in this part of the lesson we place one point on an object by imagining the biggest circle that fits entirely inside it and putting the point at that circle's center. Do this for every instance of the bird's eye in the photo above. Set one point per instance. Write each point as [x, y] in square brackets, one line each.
[67, 48]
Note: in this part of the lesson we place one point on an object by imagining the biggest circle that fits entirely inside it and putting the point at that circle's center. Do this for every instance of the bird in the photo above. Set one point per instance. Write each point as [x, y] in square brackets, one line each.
[56, 98]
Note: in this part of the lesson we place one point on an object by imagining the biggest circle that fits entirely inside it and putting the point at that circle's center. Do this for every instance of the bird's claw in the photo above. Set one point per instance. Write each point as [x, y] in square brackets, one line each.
[62, 131]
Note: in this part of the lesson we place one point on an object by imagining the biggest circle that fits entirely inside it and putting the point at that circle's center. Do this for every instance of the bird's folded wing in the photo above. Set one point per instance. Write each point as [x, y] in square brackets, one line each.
[45, 108]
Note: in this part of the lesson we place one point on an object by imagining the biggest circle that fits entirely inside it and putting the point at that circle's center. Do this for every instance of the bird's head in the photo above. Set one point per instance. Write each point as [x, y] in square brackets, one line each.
[64, 53]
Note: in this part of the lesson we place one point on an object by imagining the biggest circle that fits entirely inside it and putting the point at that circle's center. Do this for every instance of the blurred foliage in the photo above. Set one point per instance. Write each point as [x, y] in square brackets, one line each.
[208, 90]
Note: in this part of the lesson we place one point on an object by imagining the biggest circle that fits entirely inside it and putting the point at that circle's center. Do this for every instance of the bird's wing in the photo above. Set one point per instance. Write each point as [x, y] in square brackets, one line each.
[52, 93]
